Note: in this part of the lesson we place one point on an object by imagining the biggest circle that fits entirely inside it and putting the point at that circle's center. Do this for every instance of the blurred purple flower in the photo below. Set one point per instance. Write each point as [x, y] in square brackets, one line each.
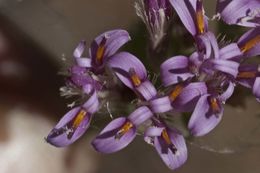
[121, 131]
[169, 144]
[240, 12]
[74, 123]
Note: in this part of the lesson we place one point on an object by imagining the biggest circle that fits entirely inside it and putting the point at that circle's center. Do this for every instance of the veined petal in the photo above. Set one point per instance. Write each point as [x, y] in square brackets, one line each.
[240, 12]
[81, 61]
[173, 150]
[161, 105]
[146, 90]
[189, 96]
[249, 43]
[226, 66]
[256, 88]
[203, 120]
[186, 12]
[175, 70]
[124, 64]
[70, 128]
[92, 104]
[230, 51]
[115, 136]
[140, 115]
[107, 44]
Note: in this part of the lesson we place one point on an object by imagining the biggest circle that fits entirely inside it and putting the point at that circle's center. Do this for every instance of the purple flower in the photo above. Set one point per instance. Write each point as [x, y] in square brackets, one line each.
[169, 144]
[191, 13]
[156, 15]
[74, 123]
[121, 131]
[240, 12]
[132, 73]
[102, 48]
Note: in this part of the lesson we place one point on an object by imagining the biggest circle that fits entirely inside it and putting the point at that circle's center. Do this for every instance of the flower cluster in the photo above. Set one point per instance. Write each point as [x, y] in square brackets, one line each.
[200, 83]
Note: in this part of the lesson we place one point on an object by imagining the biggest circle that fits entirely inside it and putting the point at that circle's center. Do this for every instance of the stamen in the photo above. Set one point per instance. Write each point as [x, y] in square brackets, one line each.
[247, 74]
[134, 77]
[166, 137]
[200, 17]
[176, 92]
[214, 105]
[250, 44]
[76, 122]
[126, 127]
[168, 141]
[101, 51]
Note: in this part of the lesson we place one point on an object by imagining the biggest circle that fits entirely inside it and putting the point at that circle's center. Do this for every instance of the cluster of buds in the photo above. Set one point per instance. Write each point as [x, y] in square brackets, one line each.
[199, 84]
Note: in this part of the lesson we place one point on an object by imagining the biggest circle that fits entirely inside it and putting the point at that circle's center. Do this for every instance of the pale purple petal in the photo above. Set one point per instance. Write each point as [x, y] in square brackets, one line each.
[226, 66]
[106, 141]
[186, 12]
[175, 69]
[146, 90]
[63, 134]
[228, 92]
[140, 115]
[161, 105]
[189, 96]
[230, 51]
[240, 12]
[92, 104]
[171, 159]
[79, 49]
[122, 63]
[202, 121]
[256, 88]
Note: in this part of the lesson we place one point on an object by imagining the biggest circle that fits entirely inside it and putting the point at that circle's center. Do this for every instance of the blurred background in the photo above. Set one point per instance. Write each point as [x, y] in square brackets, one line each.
[37, 38]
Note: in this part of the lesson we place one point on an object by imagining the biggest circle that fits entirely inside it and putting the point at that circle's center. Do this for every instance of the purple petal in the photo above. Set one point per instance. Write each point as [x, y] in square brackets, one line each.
[111, 41]
[230, 51]
[172, 159]
[189, 96]
[249, 43]
[240, 12]
[174, 70]
[140, 115]
[146, 90]
[122, 63]
[161, 105]
[106, 141]
[92, 104]
[202, 121]
[226, 66]
[256, 88]
[68, 130]
[79, 49]
[228, 93]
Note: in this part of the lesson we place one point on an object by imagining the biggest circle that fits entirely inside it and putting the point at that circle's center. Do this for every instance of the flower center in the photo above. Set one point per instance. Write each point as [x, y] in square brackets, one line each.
[200, 17]
[176, 92]
[134, 77]
[126, 127]
[250, 44]
[101, 51]
[246, 74]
